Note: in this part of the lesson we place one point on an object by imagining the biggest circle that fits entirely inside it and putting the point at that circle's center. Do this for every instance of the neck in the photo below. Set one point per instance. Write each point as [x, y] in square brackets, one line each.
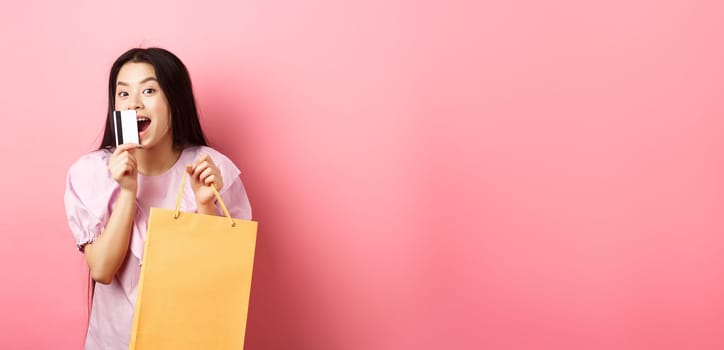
[155, 161]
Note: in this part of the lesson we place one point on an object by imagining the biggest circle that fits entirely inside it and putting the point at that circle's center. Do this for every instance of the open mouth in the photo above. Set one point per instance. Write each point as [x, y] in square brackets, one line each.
[143, 123]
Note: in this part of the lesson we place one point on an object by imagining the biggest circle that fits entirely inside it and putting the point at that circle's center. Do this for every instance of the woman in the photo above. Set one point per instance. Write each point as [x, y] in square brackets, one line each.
[110, 191]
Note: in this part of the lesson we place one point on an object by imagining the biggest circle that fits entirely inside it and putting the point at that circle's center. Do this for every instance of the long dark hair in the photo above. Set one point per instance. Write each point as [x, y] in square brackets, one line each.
[174, 79]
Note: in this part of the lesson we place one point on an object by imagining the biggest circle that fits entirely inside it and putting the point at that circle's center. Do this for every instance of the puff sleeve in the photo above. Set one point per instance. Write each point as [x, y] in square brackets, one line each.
[87, 195]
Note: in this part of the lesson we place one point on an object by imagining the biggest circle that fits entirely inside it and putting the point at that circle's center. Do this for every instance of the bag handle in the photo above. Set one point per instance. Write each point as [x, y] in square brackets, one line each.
[216, 193]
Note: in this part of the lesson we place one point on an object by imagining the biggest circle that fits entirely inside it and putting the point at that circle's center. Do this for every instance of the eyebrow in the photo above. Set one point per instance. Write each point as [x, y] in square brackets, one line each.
[142, 81]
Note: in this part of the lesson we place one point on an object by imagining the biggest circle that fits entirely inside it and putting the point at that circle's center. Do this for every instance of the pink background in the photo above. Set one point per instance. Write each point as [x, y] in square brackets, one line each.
[427, 175]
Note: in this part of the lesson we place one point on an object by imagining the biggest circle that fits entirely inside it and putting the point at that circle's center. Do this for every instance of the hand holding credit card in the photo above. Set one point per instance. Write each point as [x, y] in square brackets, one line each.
[125, 126]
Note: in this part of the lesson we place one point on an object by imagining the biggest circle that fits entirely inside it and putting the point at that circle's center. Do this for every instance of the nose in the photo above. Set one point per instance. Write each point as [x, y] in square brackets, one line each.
[134, 102]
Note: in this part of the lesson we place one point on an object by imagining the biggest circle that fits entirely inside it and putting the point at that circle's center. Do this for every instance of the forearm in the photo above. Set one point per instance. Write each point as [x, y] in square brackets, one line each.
[107, 253]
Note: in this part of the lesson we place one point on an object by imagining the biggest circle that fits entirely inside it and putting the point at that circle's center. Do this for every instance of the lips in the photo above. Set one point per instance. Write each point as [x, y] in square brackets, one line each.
[143, 123]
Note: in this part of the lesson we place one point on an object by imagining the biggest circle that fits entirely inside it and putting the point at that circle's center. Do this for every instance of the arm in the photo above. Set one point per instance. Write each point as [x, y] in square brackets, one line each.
[106, 254]
[204, 173]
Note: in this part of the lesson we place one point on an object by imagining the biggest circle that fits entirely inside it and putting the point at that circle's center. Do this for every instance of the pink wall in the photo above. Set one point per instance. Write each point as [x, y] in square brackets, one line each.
[498, 175]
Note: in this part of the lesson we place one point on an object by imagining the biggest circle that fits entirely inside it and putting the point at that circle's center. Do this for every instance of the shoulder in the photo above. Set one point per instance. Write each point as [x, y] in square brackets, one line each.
[88, 177]
[91, 170]
[90, 165]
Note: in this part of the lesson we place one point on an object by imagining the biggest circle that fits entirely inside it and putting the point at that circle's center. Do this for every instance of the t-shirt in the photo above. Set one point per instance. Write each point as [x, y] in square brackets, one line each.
[90, 195]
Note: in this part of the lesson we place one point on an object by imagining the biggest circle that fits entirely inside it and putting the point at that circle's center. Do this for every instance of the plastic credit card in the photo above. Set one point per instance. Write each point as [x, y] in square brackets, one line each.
[126, 127]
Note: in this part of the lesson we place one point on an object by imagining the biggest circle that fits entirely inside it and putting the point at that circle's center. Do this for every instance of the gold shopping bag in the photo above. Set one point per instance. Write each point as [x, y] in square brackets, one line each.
[195, 281]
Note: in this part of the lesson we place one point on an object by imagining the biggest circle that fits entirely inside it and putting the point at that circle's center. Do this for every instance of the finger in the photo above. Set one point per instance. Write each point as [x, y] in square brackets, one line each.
[200, 168]
[114, 156]
[116, 171]
[126, 147]
[121, 157]
[203, 158]
[214, 179]
[132, 161]
[120, 170]
[129, 169]
[125, 158]
[205, 174]
[116, 159]
[126, 164]
[211, 179]
[199, 159]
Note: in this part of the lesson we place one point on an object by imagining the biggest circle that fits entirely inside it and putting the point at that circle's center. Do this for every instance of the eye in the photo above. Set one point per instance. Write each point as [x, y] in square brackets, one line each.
[149, 91]
[122, 94]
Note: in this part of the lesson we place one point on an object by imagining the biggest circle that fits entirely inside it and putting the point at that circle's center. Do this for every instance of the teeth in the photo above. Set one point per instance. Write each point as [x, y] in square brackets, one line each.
[143, 119]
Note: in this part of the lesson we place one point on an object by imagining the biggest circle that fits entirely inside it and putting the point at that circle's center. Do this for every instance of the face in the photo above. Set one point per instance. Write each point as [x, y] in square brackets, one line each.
[137, 88]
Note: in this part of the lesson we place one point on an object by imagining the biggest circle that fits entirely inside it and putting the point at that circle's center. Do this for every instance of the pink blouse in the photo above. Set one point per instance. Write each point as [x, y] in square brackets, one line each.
[89, 198]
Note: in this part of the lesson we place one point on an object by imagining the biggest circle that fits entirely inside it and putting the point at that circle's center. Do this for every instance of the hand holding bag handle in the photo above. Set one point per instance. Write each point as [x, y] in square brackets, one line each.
[177, 212]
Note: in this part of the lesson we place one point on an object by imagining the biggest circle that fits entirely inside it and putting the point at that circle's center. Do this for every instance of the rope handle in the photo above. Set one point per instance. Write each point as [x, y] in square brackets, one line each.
[216, 193]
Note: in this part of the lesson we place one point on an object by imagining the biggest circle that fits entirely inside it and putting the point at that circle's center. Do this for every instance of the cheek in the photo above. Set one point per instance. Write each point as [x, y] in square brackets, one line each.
[158, 106]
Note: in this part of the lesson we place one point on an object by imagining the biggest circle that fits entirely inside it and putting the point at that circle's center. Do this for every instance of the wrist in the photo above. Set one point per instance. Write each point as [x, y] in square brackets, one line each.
[126, 199]
[207, 208]
[128, 192]
[205, 202]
